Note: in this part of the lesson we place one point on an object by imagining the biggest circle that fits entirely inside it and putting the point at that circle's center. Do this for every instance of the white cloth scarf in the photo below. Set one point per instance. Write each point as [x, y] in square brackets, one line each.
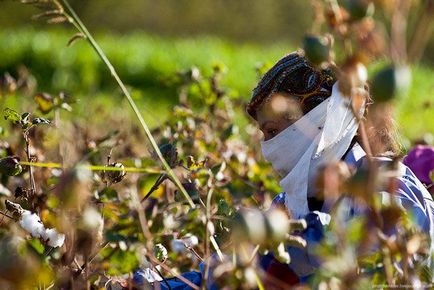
[319, 137]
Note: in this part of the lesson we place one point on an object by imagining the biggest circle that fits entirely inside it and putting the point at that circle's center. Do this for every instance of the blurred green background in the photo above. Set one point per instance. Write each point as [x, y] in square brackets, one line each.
[148, 41]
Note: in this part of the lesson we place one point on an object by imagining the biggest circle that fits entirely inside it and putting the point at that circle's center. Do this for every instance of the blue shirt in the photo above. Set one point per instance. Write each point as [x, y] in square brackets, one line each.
[410, 194]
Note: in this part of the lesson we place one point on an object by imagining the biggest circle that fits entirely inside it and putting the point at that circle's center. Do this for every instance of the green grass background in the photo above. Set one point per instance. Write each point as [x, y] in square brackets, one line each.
[146, 63]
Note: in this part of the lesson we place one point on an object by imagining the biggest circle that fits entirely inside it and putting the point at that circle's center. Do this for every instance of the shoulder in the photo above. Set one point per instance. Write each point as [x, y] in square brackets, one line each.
[410, 193]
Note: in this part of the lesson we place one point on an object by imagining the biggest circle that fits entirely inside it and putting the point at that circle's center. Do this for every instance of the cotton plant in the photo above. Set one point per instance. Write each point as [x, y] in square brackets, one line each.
[32, 224]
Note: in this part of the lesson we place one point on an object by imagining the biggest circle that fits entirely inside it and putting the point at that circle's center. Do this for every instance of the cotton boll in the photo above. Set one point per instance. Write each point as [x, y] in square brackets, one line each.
[190, 240]
[53, 238]
[32, 224]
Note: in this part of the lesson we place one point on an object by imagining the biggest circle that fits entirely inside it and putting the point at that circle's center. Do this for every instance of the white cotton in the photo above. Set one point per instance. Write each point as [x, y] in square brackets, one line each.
[32, 224]
[53, 238]
[190, 240]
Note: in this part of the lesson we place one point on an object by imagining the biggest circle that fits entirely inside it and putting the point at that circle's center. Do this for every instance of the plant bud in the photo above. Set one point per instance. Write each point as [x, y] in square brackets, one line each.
[359, 9]
[317, 48]
[160, 252]
[170, 154]
[10, 166]
[391, 82]
[277, 224]
[282, 254]
[114, 176]
[250, 225]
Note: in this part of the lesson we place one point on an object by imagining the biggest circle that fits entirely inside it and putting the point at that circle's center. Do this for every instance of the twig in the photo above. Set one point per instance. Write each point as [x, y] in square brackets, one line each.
[32, 179]
[162, 277]
[194, 252]
[6, 215]
[422, 32]
[154, 260]
[93, 167]
[398, 48]
[93, 257]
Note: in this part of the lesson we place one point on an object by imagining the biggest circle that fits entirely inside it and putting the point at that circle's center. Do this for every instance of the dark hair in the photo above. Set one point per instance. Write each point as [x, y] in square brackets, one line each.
[295, 76]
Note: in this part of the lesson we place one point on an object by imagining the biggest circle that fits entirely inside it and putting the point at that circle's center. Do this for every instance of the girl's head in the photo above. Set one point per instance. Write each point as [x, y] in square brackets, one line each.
[293, 87]
[290, 89]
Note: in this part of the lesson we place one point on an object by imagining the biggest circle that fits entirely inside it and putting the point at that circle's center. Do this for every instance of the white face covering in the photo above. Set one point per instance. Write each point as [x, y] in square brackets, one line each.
[321, 136]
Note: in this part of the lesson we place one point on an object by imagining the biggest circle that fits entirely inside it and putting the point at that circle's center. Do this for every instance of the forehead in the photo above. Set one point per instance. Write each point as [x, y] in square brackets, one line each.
[278, 105]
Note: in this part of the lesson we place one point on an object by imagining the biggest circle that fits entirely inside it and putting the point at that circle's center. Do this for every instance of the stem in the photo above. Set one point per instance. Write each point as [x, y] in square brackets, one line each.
[127, 95]
[6, 215]
[32, 179]
[92, 167]
[422, 32]
[168, 269]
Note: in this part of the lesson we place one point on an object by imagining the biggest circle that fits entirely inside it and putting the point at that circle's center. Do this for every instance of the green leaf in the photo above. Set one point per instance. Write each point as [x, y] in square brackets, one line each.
[37, 246]
[121, 262]
[45, 102]
[108, 194]
[10, 166]
[11, 115]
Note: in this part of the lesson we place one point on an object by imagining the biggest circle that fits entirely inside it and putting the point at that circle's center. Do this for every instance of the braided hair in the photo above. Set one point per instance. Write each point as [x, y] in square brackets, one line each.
[294, 75]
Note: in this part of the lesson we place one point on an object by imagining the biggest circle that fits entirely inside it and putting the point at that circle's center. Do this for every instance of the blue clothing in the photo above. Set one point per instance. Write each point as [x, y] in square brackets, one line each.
[411, 195]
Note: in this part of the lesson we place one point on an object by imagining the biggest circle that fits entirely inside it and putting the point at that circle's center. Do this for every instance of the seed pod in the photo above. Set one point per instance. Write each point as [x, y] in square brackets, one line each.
[359, 9]
[160, 252]
[114, 176]
[317, 48]
[14, 208]
[170, 154]
[296, 241]
[282, 254]
[298, 225]
[277, 224]
[391, 82]
[10, 166]
[250, 225]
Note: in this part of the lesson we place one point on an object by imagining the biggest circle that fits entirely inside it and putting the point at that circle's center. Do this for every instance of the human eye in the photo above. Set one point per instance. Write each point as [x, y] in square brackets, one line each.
[272, 132]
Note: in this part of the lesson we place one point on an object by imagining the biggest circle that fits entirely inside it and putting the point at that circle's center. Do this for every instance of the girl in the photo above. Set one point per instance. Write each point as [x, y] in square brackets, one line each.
[307, 123]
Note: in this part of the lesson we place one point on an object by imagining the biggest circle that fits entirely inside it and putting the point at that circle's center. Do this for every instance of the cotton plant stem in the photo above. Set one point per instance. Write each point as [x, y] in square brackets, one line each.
[421, 32]
[168, 269]
[6, 215]
[32, 179]
[92, 167]
[127, 95]
[208, 220]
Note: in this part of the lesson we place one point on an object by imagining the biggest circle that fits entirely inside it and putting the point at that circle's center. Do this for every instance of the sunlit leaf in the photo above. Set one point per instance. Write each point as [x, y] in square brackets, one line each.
[44, 101]
[11, 115]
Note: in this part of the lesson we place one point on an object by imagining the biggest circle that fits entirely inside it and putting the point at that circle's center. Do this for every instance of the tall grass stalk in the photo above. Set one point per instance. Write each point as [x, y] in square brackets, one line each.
[82, 28]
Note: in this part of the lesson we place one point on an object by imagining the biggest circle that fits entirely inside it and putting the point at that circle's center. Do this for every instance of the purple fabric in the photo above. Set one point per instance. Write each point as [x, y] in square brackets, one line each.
[420, 160]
